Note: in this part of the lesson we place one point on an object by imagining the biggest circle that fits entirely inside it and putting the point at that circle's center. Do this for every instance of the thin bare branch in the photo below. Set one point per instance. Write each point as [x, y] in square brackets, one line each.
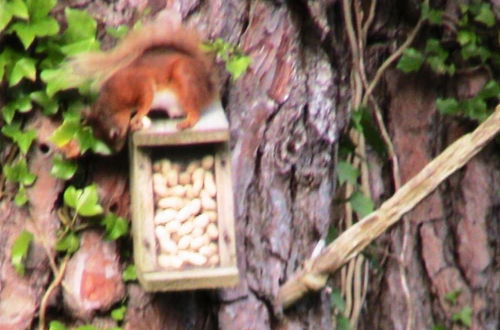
[391, 59]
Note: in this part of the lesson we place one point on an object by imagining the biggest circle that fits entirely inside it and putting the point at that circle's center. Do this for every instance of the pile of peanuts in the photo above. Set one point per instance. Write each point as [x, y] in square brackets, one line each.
[186, 213]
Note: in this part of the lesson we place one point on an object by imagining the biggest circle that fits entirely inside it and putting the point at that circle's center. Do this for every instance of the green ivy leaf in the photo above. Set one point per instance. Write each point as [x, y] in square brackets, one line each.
[361, 204]
[337, 301]
[28, 31]
[447, 106]
[80, 47]
[56, 325]
[357, 118]
[464, 8]
[452, 297]
[332, 234]
[343, 323]
[10, 9]
[74, 111]
[46, 26]
[22, 139]
[51, 49]
[21, 197]
[3, 63]
[129, 274]
[472, 50]
[66, 132]
[475, 108]
[118, 314]
[25, 33]
[40, 9]
[63, 169]
[49, 105]
[22, 103]
[87, 140]
[7, 60]
[99, 147]
[115, 226]
[464, 316]
[485, 15]
[434, 16]
[220, 47]
[5, 17]
[72, 129]
[490, 90]
[363, 122]
[411, 60]
[465, 37]
[81, 26]
[84, 201]
[347, 172]
[484, 53]
[24, 68]
[437, 64]
[19, 172]
[69, 243]
[451, 69]
[433, 47]
[57, 80]
[19, 251]
[438, 327]
[17, 8]
[238, 65]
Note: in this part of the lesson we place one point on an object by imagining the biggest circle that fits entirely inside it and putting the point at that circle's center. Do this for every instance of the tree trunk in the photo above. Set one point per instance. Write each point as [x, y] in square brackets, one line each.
[287, 114]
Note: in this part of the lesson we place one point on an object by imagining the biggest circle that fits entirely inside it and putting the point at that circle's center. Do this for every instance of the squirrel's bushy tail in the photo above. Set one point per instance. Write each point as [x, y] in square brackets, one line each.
[99, 66]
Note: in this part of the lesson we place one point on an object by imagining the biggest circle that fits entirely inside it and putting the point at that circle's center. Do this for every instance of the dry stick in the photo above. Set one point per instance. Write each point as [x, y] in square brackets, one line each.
[352, 274]
[314, 274]
[45, 300]
[391, 59]
[395, 165]
[406, 226]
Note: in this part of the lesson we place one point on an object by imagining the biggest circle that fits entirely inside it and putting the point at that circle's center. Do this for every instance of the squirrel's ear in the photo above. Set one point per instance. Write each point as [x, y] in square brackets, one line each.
[114, 134]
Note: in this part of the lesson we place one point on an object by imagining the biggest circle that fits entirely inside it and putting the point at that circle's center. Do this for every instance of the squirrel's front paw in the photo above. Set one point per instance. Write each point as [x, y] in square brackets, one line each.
[135, 123]
[184, 125]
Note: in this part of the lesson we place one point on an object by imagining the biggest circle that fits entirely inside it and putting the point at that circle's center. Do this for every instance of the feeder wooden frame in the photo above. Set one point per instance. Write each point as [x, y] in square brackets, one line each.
[212, 130]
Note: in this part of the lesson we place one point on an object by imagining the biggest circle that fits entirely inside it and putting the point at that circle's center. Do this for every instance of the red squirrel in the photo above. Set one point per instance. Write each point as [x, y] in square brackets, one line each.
[159, 66]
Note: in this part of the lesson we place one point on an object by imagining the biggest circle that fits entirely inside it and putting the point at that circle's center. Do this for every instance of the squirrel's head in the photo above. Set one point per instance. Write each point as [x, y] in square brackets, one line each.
[107, 128]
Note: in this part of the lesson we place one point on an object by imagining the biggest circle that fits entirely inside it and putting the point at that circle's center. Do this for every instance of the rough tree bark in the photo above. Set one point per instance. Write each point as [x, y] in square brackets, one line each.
[287, 114]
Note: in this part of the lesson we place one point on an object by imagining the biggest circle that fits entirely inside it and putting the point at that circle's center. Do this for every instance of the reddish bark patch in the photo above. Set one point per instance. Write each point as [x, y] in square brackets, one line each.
[93, 277]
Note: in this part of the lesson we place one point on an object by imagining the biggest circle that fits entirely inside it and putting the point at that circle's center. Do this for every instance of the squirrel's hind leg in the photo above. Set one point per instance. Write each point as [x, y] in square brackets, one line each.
[189, 83]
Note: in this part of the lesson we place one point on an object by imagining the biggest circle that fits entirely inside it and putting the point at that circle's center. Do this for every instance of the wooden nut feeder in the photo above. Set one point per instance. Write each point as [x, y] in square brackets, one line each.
[182, 204]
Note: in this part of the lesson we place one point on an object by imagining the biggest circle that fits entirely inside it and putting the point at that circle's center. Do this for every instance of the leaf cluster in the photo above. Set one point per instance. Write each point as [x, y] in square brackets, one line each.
[361, 121]
[85, 203]
[475, 108]
[32, 65]
[19, 173]
[237, 62]
[34, 69]
[474, 43]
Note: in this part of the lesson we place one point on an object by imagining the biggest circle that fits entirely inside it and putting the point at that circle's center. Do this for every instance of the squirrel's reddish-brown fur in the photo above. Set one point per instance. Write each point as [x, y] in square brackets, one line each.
[159, 57]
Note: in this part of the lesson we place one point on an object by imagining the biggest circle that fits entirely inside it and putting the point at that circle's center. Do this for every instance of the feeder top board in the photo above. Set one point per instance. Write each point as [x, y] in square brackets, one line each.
[212, 127]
